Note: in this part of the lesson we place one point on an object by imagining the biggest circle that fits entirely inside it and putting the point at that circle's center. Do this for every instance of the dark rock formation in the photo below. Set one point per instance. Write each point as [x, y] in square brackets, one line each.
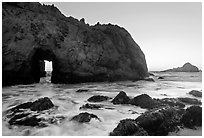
[128, 127]
[84, 117]
[144, 101]
[187, 67]
[192, 117]
[38, 105]
[23, 113]
[98, 98]
[173, 102]
[160, 122]
[91, 106]
[196, 93]
[190, 101]
[121, 98]
[32, 32]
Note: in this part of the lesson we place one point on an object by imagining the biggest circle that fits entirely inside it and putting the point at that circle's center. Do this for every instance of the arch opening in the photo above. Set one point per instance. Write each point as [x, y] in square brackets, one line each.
[42, 64]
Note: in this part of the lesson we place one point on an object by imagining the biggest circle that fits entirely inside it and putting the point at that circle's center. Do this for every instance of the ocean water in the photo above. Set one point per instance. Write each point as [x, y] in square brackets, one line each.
[67, 103]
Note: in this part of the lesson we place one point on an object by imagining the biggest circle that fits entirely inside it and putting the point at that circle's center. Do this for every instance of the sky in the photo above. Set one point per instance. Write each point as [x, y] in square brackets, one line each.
[169, 34]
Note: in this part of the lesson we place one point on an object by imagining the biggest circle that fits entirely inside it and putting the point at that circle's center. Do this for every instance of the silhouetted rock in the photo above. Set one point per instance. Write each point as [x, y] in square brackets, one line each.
[121, 98]
[98, 98]
[192, 117]
[196, 93]
[187, 67]
[160, 122]
[84, 117]
[144, 101]
[91, 106]
[32, 32]
[128, 127]
[82, 90]
[173, 102]
[190, 101]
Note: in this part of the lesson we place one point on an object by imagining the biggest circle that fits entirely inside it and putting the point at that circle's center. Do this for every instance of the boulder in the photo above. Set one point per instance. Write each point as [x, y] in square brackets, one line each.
[42, 104]
[23, 114]
[84, 117]
[160, 122]
[38, 105]
[192, 117]
[190, 101]
[25, 120]
[91, 106]
[144, 101]
[187, 67]
[98, 98]
[32, 32]
[121, 98]
[173, 102]
[196, 93]
[128, 127]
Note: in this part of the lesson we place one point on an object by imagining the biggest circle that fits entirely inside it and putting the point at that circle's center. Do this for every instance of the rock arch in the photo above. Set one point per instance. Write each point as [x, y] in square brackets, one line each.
[80, 53]
[39, 55]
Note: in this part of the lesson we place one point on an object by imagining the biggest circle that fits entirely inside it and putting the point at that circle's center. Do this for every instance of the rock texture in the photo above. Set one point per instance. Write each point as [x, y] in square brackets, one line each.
[84, 117]
[25, 114]
[187, 67]
[160, 122]
[98, 98]
[32, 32]
[144, 101]
[196, 93]
[128, 127]
[121, 98]
[192, 117]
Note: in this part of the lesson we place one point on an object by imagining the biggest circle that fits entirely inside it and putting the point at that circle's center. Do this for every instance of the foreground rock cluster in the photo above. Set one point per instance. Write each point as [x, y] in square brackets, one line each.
[163, 115]
[32, 32]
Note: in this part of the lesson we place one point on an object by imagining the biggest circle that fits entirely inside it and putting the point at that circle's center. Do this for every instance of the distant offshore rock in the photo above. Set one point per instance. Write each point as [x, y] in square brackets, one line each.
[32, 32]
[187, 67]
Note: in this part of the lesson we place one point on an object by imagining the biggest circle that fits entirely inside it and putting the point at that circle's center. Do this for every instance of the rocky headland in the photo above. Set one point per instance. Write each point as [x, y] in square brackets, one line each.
[187, 67]
[32, 32]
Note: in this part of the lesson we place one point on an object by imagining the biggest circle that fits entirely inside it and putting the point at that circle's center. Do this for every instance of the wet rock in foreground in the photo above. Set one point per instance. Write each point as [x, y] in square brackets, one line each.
[195, 93]
[190, 101]
[128, 127]
[98, 98]
[192, 117]
[23, 113]
[84, 117]
[144, 101]
[160, 122]
[173, 102]
[91, 106]
[121, 98]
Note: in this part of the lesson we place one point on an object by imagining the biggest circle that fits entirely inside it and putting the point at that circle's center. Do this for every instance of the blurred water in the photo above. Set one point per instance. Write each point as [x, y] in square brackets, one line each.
[68, 102]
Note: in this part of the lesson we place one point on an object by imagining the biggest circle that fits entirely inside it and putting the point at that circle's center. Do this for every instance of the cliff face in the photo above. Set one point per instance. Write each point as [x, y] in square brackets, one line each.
[187, 67]
[32, 32]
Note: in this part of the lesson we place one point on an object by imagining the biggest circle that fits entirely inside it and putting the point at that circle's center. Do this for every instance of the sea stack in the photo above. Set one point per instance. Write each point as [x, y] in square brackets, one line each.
[187, 67]
[32, 32]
